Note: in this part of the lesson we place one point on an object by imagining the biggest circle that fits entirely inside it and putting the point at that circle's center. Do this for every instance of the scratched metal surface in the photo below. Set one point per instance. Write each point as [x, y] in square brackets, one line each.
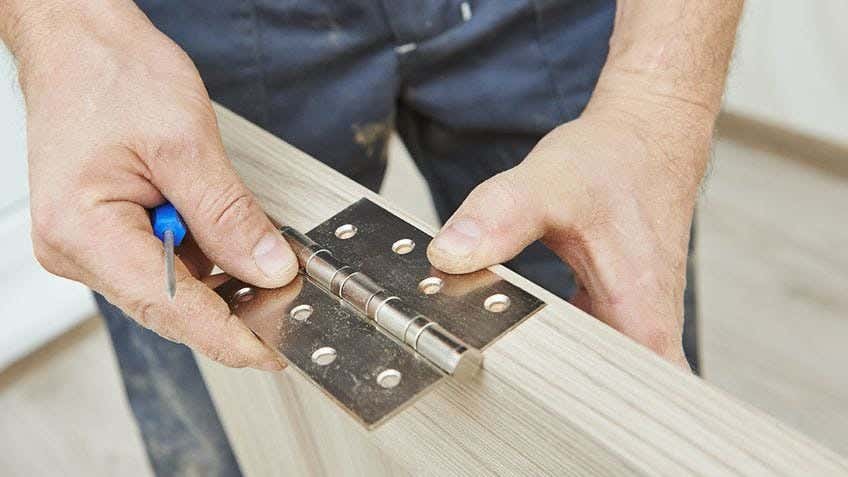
[363, 351]
[458, 306]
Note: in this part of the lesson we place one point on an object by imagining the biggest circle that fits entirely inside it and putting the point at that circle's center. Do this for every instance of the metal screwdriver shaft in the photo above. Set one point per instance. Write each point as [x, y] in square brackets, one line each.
[170, 277]
[168, 226]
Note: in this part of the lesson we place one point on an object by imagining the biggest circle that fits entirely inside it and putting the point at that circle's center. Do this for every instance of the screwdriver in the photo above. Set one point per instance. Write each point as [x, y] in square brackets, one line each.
[169, 227]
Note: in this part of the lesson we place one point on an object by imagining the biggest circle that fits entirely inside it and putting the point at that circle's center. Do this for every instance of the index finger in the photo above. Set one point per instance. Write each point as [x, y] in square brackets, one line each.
[127, 267]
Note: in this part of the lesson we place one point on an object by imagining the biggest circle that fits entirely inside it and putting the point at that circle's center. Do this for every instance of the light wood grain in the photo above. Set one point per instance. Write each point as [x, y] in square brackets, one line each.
[561, 393]
[773, 321]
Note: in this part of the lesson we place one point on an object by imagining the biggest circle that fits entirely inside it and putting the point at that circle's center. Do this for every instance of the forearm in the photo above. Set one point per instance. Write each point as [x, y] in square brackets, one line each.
[665, 75]
[36, 25]
[12, 13]
[613, 192]
[675, 49]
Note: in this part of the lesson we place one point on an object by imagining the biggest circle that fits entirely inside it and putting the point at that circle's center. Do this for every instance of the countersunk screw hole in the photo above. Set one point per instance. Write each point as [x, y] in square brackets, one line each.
[324, 356]
[497, 303]
[430, 285]
[243, 295]
[346, 231]
[301, 312]
[403, 246]
[389, 378]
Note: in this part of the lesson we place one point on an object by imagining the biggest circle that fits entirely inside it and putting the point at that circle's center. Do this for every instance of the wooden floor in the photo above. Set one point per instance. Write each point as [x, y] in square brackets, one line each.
[64, 411]
[773, 256]
[772, 249]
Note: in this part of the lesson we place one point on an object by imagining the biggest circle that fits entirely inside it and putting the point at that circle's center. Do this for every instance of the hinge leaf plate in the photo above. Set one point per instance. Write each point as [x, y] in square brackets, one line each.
[458, 306]
[373, 375]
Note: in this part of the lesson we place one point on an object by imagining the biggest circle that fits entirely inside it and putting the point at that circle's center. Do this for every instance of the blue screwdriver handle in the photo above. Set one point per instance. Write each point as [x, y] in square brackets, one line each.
[165, 217]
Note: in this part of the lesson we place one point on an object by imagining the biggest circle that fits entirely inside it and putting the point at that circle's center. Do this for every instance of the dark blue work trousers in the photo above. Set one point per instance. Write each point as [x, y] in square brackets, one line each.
[470, 86]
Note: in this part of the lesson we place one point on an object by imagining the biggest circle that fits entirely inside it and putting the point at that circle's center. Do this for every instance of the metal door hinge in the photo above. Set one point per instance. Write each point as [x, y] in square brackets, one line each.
[369, 320]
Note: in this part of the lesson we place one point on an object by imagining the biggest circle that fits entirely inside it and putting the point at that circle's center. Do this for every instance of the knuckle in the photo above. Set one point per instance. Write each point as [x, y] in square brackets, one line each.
[214, 341]
[184, 142]
[214, 353]
[224, 356]
[149, 316]
[225, 211]
[192, 130]
[185, 136]
[144, 313]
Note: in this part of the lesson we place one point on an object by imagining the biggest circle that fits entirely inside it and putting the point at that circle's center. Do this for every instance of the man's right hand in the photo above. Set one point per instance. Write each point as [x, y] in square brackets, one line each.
[118, 120]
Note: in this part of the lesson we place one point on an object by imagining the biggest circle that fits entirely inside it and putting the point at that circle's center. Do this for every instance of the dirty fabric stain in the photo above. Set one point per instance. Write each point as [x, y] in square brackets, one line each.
[373, 137]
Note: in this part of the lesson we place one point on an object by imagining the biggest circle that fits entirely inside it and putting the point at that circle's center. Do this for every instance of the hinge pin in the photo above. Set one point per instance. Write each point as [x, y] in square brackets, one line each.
[387, 311]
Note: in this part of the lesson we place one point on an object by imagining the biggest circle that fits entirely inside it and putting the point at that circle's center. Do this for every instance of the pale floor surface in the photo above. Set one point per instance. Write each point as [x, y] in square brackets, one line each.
[773, 282]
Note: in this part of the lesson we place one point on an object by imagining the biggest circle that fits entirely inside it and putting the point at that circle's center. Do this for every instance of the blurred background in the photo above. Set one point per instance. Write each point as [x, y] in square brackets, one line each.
[772, 253]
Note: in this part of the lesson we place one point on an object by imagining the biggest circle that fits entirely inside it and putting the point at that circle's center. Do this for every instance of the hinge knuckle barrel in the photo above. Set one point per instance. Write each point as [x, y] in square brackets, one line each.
[340, 278]
[426, 337]
[414, 329]
[360, 291]
[394, 317]
[429, 339]
[302, 246]
[446, 350]
[323, 267]
[369, 320]
[375, 301]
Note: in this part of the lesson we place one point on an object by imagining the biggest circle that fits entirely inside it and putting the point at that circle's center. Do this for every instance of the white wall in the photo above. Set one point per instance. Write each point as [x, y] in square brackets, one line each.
[34, 305]
[791, 66]
[12, 134]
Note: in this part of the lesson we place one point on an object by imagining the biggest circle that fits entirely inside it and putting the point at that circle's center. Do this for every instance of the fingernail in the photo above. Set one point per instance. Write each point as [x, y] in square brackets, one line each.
[271, 255]
[459, 239]
[272, 365]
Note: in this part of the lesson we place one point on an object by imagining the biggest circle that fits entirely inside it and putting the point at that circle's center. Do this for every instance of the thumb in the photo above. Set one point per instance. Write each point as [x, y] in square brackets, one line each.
[224, 217]
[497, 220]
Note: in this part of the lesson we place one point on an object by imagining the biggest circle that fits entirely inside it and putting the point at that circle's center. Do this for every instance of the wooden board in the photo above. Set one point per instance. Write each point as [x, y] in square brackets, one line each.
[560, 394]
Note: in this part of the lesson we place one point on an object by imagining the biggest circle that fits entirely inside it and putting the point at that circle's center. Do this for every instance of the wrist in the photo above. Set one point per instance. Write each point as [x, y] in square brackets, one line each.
[15, 16]
[41, 33]
[668, 128]
[656, 101]
[670, 144]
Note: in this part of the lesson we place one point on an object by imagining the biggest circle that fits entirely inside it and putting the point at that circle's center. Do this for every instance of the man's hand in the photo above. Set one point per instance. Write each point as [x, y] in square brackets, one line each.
[118, 121]
[608, 198]
[613, 192]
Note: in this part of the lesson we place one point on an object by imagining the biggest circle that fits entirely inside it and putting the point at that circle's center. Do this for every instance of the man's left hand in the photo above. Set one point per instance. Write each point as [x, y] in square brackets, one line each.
[612, 194]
